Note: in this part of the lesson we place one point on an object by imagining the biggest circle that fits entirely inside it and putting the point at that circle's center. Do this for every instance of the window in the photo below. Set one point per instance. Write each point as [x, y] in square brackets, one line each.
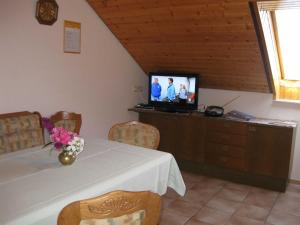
[288, 40]
[278, 28]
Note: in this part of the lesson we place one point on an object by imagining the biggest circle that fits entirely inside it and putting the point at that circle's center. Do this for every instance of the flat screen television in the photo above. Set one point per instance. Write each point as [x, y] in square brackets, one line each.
[173, 91]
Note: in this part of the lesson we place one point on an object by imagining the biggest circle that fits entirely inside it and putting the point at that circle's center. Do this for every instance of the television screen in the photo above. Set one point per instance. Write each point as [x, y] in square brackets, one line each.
[173, 89]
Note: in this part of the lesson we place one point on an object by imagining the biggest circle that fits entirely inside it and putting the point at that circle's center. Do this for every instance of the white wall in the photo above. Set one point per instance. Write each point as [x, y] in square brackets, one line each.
[259, 105]
[36, 75]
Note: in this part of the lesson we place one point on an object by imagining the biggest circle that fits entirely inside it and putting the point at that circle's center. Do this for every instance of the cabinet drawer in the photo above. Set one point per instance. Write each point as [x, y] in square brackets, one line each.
[227, 139]
[225, 161]
[226, 126]
[225, 150]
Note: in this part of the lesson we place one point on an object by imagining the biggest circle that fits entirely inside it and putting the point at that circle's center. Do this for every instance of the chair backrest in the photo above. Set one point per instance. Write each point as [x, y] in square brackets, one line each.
[70, 121]
[118, 208]
[135, 133]
[19, 131]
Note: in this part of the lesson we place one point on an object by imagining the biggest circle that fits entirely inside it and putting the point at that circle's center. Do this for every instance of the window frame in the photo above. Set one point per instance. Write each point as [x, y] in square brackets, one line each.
[262, 46]
[277, 44]
[278, 85]
[279, 52]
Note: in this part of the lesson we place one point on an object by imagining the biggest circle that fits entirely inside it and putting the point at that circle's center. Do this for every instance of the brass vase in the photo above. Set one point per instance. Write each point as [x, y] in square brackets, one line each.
[65, 158]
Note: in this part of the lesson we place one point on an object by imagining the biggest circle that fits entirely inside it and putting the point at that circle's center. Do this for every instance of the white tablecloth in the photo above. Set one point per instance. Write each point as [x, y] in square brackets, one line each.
[34, 187]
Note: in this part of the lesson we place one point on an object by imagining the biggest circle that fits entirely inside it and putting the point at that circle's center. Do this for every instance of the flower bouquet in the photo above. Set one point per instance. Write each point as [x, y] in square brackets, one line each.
[69, 143]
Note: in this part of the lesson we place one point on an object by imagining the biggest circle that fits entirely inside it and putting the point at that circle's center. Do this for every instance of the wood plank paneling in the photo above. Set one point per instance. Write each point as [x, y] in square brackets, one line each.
[215, 38]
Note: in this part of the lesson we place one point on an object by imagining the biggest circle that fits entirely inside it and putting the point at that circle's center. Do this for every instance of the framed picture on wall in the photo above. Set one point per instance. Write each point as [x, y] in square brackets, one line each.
[72, 37]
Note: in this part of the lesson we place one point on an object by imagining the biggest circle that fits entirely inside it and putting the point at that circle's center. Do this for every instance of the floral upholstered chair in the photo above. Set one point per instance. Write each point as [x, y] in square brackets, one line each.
[135, 133]
[69, 121]
[114, 208]
[19, 131]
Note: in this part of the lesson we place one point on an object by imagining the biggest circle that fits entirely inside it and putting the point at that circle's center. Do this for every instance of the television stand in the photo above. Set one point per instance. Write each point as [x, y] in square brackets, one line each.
[171, 110]
[253, 153]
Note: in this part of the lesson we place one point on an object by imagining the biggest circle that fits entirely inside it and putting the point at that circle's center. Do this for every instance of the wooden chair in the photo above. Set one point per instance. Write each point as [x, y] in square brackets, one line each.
[118, 207]
[69, 121]
[135, 133]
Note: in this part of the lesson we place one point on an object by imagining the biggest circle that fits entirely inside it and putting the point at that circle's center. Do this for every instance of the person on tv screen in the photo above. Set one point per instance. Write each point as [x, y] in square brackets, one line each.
[155, 90]
[182, 94]
[171, 95]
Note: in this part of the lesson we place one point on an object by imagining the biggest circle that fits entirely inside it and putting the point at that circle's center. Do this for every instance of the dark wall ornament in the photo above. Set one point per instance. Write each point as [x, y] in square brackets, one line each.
[46, 11]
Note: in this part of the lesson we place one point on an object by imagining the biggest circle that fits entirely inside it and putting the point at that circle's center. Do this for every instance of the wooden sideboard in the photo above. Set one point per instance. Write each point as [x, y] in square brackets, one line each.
[254, 153]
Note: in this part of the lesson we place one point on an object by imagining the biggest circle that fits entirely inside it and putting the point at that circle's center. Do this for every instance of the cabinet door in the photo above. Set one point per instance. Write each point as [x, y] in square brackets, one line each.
[183, 136]
[269, 150]
[191, 131]
[167, 124]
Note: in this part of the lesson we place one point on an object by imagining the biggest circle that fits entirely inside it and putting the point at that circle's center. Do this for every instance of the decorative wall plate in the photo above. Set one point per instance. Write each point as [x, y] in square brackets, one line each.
[46, 11]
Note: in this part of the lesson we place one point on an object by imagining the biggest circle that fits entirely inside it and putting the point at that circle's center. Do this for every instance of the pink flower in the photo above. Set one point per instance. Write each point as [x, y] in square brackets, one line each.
[61, 136]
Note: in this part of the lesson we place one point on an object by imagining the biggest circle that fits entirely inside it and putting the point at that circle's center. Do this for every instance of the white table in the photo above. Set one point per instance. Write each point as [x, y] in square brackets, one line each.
[34, 187]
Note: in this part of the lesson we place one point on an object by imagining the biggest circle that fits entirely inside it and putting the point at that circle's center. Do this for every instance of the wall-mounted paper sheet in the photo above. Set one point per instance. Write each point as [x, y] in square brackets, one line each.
[72, 37]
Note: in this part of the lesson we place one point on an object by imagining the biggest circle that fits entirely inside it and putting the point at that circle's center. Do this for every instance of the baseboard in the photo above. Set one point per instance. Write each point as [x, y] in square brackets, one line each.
[294, 181]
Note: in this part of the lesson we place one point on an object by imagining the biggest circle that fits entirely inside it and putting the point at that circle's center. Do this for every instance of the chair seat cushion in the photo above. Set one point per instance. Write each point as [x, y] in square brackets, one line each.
[135, 218]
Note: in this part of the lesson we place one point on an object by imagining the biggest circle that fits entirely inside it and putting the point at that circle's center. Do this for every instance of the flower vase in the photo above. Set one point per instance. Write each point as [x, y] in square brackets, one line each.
[65, 158]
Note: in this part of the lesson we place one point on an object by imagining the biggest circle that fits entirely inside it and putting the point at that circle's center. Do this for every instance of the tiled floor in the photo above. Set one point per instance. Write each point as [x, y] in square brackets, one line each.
[210, 201]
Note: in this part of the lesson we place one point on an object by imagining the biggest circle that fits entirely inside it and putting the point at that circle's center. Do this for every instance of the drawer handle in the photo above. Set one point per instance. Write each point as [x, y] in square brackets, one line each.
[226, 125]
[225, 149]
[252, 129]
[225, 136]
[223, 159]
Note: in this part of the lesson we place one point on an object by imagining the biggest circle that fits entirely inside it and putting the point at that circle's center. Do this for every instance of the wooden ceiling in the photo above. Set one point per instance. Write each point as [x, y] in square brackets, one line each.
[215, 38]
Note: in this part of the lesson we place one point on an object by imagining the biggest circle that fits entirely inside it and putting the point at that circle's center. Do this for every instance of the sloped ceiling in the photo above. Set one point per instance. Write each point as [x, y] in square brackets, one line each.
[215, 38]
